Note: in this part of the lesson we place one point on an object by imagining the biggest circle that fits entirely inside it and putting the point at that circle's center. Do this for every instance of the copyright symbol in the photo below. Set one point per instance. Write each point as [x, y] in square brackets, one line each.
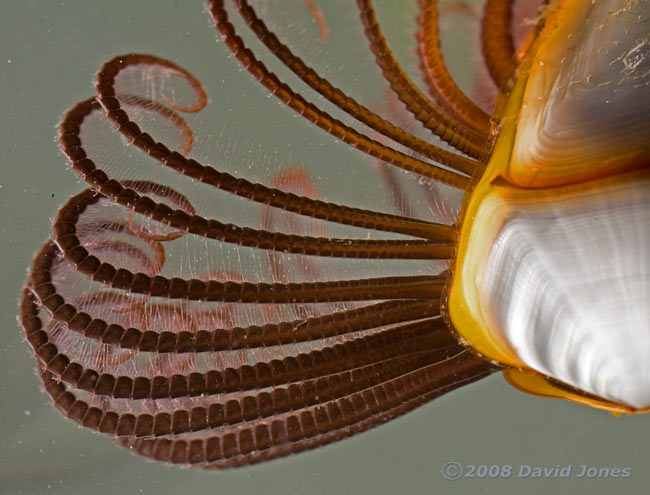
[452, 471]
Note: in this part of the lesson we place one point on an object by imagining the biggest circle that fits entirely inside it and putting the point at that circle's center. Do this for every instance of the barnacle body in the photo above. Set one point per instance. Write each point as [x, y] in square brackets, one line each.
[552, 275]
[201, 317]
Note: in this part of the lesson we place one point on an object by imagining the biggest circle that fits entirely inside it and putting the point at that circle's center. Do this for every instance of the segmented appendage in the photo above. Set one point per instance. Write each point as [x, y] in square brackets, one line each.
[145, 315]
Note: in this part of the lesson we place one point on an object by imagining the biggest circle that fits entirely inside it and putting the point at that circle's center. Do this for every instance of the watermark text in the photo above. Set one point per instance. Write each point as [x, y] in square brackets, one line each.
[455, 471]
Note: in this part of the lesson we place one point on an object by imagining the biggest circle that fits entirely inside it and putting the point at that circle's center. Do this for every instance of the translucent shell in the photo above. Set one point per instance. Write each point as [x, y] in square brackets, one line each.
[584, 112]
[552, 275]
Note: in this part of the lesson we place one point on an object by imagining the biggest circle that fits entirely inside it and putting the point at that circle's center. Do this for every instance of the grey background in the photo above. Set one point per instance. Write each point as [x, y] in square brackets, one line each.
[49, 52]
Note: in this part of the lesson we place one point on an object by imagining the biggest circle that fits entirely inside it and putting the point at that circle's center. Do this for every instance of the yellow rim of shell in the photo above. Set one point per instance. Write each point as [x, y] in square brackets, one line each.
[532, 382]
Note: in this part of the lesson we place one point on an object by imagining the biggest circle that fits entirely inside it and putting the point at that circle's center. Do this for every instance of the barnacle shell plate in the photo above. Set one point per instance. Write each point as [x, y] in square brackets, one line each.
[585, 108]
[567, 285]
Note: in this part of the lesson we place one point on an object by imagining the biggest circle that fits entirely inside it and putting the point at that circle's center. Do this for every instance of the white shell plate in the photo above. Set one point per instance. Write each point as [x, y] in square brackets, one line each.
[588, 99]
[567, 282]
